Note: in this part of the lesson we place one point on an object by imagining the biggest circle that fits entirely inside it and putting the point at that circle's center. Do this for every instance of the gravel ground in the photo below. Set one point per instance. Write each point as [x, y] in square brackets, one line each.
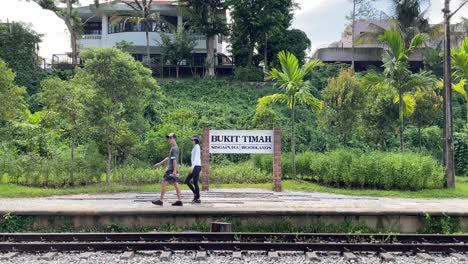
[218, 258]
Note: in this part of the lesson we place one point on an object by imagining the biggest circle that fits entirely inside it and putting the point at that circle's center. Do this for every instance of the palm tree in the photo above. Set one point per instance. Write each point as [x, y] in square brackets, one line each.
[295, 91]
[408, 19]
[460, 64]
[142, 15]
[397, 74]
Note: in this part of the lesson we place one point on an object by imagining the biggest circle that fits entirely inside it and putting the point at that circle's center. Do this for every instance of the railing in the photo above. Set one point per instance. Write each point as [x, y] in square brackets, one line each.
[91, 37]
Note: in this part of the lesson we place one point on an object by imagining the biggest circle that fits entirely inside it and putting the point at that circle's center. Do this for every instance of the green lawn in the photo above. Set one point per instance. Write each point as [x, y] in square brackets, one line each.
[15, 191]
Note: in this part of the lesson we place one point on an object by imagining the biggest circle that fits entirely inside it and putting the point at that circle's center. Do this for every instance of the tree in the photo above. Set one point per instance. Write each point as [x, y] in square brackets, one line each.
[427, 109]
[343, 99]
[63, 102]
[292, 40]
[126, 46]
[18, 48]
[362, 9]
[177, 48]
[208, 18]
[253, 22]
[71, 19]
[11, 94]
[119, 88]
[397, 74]
[143, 14]
[408, 19]
[460, 63]
[296, 90]
[449, 159]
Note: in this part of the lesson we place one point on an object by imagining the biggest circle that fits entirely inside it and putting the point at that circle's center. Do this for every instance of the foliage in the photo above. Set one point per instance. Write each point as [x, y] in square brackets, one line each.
[398, 76]
[119, 87]
[443, 224]
[126, 46]
[461, 152]
[253, 22]
[356, 169]
[292, 40]
[207, 17]
[11, 94]
[18, 49]
[460, 63]
[248, 74]
[295, 91]
[178, 48]
[142, 13]
[343, 100]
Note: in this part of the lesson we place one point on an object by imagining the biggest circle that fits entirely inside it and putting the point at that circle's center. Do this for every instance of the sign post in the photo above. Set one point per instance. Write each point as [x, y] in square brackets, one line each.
[242, 142]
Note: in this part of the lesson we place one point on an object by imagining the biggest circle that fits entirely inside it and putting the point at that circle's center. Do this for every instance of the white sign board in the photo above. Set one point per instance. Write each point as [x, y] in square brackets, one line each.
[241, 141]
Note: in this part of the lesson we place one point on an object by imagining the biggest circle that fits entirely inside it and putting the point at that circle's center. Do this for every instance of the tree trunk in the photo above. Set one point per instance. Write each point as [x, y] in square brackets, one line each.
[265, 59]
[148, 53]
[400, 106]
[352, 34]
[449, 159]
[293, 143]
[73, 36]
[177, 71]
[109, 161]
[210, 73]
[72, 147]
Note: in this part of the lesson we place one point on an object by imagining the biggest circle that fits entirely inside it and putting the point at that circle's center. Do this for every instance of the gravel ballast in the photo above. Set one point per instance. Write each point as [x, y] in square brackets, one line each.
[215, 257]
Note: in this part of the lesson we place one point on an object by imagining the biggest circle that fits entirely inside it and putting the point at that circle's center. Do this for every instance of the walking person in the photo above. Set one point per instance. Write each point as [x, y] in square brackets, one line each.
[171, 176]
[195, 169]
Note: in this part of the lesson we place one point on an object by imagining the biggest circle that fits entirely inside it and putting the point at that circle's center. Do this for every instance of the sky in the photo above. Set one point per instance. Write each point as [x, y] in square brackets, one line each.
[322, 20]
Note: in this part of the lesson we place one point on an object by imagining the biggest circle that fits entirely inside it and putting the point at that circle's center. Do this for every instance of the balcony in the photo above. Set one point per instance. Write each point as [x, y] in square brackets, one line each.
[138, 38]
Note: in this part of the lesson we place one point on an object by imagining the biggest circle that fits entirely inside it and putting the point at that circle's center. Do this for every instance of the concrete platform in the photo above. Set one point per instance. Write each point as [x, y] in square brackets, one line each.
[245, 206]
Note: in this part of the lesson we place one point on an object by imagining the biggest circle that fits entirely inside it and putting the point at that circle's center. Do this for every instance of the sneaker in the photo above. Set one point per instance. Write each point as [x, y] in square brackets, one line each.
[158, 202]
[196, 201]
[178, 203]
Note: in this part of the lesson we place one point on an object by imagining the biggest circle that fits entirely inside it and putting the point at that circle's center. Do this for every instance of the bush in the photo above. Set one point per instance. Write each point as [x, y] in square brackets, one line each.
[356, 169]
[461, 152]
[248, 74]
[241, 173]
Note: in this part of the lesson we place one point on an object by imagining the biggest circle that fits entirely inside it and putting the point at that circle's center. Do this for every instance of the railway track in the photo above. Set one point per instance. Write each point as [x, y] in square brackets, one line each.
[270, 242]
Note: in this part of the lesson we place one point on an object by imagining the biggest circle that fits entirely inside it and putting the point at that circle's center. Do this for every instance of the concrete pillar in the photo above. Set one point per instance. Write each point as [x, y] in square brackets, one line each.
[180, 23]
[277, 160]
[205, 159]
[104, 30]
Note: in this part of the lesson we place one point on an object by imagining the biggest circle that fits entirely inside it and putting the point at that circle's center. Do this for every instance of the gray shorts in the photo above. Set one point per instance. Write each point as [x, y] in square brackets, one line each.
[169, 178]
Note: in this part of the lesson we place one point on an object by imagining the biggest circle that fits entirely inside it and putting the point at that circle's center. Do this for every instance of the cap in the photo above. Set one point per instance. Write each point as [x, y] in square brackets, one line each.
[195, 137]
[171, 135]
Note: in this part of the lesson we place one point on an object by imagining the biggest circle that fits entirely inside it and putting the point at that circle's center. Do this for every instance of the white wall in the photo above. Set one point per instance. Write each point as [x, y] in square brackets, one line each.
[138, 39]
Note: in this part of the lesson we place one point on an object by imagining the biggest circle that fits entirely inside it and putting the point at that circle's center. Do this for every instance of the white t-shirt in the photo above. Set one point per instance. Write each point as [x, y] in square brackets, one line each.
[196, 160]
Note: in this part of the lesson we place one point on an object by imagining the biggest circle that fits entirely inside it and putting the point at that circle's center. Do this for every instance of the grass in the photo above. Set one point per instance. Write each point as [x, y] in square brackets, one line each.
[15, 191]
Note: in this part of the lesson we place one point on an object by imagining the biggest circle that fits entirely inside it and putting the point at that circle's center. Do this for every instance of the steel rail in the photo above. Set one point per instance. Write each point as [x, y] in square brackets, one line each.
[229, 246]
[248, 237]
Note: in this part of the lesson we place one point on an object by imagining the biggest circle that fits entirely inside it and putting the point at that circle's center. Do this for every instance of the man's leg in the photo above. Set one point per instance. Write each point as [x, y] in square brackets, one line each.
[177, 188]
[163, 190]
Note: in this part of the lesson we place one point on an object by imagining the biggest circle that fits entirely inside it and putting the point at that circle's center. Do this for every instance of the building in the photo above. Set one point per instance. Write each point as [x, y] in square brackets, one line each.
[110, 24]
[370, 54]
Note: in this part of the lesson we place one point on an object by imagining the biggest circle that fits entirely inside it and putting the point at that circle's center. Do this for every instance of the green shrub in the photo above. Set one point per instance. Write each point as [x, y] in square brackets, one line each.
[248, 74]
[356, 169]
[461, 152]
[245, 172]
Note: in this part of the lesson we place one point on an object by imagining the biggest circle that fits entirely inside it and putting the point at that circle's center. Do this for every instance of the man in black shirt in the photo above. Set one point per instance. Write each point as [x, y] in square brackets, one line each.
[171, 176]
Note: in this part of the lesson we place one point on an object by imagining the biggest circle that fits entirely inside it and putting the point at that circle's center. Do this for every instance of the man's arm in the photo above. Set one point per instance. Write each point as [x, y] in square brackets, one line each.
[160, 163]
[175, 167]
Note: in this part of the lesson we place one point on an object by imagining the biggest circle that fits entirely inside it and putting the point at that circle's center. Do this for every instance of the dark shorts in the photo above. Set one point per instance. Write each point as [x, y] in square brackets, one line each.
[169, 178]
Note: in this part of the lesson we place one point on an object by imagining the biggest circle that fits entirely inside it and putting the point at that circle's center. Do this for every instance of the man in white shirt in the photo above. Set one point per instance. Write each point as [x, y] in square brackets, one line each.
[195, 169]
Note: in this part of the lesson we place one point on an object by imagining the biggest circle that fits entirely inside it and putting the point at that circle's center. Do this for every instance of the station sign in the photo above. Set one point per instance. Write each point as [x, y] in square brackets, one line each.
[241, 141]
